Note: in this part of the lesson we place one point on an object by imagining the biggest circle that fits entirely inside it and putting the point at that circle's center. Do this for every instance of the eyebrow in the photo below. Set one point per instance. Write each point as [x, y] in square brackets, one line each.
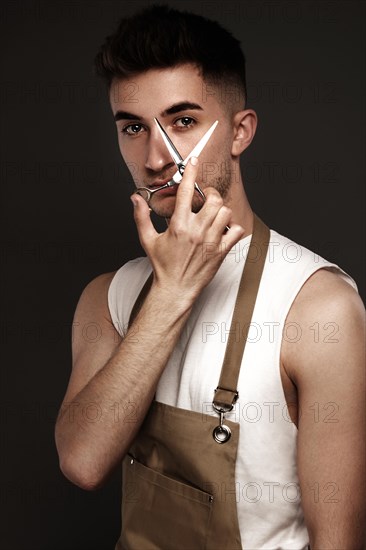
[173, 109]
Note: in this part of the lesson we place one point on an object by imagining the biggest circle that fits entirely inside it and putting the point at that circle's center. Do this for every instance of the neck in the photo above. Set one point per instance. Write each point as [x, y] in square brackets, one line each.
[237, 201]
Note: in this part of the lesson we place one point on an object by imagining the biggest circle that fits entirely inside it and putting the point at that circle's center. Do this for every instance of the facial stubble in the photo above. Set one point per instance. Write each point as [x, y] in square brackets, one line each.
[164, 207]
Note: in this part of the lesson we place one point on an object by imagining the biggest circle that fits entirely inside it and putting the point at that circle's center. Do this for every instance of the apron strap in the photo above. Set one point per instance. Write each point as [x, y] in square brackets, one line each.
[226, 393]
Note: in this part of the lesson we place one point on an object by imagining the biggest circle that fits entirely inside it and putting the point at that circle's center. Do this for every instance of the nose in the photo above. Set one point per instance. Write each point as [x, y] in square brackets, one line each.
[157, 156]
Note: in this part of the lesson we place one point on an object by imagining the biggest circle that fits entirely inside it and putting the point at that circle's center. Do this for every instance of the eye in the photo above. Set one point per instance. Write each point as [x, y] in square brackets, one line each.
[132, 129]
[185, 122]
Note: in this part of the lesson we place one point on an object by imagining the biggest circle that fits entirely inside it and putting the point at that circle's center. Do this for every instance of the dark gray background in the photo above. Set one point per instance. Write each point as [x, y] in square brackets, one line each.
[66, 214]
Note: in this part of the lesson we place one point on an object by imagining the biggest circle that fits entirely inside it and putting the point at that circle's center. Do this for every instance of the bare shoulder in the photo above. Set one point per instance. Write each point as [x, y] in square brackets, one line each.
[94, 298]
[326, 311]
[325, 285]
[326, 294]
[92, 320]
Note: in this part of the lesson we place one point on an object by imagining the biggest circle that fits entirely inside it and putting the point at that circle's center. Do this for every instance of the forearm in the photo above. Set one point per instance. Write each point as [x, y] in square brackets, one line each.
[95, 429]
[342, 524]
[345, 540]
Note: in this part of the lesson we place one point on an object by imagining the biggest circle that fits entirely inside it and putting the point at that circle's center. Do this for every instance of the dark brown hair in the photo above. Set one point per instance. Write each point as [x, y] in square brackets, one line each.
[162, 37]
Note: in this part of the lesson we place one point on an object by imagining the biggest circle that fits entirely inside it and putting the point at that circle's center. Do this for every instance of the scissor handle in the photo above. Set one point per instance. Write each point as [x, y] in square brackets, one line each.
[145, 193]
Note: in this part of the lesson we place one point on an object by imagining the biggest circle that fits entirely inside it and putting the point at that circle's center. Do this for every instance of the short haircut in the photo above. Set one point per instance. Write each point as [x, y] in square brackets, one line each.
[161, 37]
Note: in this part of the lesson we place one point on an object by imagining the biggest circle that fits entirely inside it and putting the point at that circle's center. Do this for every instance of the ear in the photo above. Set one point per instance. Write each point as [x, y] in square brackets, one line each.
[244, 127]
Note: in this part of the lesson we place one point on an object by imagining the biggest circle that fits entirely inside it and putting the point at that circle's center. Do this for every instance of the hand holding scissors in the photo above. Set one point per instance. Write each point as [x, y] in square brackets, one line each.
[147, 193]
[186, 256]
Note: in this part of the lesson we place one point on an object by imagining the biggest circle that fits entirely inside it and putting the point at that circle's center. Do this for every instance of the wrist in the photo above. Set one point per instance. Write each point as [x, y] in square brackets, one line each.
[171, 299]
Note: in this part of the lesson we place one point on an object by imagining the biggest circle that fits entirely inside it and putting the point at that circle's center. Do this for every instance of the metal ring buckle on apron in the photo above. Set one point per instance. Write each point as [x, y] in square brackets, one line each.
[222, 432]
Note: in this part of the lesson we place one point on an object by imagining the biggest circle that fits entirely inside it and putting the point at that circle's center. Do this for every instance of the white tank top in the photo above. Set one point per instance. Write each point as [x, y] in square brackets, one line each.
[268, 494]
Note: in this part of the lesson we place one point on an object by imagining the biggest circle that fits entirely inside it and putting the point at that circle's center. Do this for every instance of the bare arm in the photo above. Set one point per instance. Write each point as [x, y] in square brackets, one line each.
[97, 423]
[327, 366]
[113, 383]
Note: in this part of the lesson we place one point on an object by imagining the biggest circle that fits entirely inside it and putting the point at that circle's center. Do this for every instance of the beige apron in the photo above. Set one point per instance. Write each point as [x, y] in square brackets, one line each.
[178, 488]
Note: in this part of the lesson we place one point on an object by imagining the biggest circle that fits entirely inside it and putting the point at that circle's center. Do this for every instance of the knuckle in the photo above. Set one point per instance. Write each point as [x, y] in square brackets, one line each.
[196, 238]
[178, 228]
[226, 211]
[238, 230]
[214, 199]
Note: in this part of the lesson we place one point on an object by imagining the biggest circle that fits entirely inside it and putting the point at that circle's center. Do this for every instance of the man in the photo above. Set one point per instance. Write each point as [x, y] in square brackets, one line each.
[292, 471]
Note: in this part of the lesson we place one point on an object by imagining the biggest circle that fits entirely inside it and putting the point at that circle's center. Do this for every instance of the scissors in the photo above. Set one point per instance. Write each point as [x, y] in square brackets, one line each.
[147, 193]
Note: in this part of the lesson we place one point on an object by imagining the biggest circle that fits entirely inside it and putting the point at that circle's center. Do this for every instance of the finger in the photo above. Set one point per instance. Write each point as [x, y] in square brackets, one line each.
[141, 213]
[185, 190]
[221, 221]
[214, 202]
[232, 236]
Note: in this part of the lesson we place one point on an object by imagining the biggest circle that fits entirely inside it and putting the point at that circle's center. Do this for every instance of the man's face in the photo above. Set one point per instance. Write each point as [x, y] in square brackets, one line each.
[179, 98]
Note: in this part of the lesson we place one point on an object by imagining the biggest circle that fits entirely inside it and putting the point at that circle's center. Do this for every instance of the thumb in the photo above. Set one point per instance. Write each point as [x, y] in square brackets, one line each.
[141, 213]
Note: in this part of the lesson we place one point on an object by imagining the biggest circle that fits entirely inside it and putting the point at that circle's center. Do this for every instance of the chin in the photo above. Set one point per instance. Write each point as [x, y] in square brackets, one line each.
[163, 208]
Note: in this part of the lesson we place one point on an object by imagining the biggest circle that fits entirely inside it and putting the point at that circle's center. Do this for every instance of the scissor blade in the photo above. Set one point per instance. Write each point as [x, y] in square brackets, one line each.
[170, 145]
[201, 144]
[196, 150]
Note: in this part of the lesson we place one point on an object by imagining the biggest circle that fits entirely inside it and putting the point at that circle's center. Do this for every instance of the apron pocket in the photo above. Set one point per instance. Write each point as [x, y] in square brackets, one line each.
[161, 513]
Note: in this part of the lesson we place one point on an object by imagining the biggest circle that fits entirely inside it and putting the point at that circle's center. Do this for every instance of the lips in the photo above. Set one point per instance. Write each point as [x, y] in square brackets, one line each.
[160, 190]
